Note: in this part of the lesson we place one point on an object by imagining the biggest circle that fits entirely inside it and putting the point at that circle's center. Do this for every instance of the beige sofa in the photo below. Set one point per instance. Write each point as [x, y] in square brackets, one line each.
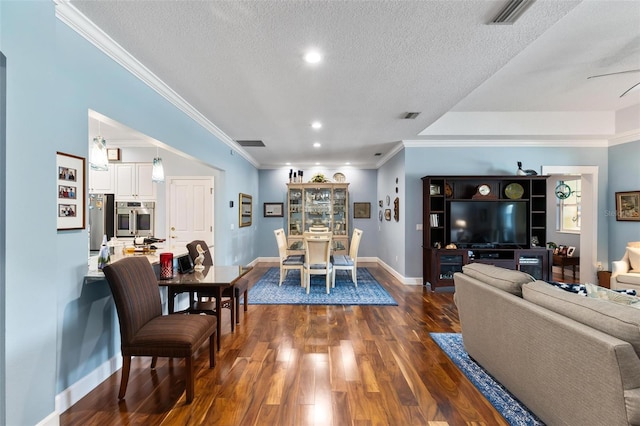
[625, 273]
[571, 359]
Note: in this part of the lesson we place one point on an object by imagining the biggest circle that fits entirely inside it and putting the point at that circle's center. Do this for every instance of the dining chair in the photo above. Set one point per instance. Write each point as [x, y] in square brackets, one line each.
[144, 331]
[204, 303]
[350, 261]
[318, 260]
[287, 262]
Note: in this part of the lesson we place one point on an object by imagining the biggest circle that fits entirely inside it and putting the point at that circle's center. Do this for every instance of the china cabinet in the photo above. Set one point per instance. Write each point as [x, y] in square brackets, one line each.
[318, 204]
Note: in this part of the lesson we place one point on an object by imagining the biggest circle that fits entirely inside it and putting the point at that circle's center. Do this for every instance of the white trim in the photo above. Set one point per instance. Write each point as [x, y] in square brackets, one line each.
[78, 22]
[631, 136]
[52, 419]
[397, 148]
[589, 208]
[82, 387]
[506, 143]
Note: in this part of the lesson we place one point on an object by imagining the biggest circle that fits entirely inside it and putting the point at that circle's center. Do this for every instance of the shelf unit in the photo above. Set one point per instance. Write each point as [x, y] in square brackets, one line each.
[321, 204]
[439, 263]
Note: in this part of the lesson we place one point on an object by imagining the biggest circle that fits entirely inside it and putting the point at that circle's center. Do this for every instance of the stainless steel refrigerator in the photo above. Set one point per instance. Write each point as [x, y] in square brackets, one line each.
[101, 219]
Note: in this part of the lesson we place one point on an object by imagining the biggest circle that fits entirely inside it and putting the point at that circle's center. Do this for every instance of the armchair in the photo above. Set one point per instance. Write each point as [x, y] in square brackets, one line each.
[625, 273]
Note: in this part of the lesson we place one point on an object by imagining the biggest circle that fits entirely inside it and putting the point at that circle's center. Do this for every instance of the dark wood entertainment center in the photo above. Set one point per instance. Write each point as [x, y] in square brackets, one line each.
[527, 253]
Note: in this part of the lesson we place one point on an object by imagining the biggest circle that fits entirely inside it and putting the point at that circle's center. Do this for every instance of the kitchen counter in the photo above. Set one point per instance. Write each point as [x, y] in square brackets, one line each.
[153, 257]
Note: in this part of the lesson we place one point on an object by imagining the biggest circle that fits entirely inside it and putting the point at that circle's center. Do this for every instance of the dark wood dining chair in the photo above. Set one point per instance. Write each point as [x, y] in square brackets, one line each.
[144, 331]
[204, 303]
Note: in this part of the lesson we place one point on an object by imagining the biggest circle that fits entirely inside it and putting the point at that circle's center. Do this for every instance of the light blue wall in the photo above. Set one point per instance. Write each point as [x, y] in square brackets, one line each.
[273, 188]
[624, 175]
[59, 328]
[392, 235]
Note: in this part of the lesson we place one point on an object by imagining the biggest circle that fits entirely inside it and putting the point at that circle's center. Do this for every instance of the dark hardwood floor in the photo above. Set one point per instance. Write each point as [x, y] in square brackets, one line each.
[308, 365]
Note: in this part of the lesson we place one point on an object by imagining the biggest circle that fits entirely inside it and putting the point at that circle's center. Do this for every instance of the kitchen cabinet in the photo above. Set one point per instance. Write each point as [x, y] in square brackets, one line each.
[102, 181]
[133, 182]
[318, 204]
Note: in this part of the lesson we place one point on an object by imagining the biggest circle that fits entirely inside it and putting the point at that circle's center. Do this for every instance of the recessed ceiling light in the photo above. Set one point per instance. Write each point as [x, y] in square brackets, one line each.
[317, 164]
[287, 163]
[317, 145]
[316, 125]
[313, 57]
[348, 163]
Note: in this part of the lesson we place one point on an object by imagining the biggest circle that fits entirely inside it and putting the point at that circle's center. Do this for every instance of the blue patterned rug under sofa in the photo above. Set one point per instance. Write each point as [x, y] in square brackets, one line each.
[369, 292]
[511, 409]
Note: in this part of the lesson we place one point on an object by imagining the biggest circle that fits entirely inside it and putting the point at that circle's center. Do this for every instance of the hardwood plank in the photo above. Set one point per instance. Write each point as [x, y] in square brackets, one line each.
[316, 365]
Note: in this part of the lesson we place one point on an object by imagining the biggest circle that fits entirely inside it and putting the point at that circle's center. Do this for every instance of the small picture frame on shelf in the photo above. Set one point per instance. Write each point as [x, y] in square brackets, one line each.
[570, 251]
[113, 154]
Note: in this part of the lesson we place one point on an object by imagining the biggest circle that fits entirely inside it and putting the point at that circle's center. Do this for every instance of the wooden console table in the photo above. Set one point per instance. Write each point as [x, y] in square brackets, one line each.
[564, 261]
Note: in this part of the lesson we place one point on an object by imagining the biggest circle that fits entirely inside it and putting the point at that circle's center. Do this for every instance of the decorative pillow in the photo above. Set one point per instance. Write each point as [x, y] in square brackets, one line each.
[597, 292]
[581, 289]
[634, 258]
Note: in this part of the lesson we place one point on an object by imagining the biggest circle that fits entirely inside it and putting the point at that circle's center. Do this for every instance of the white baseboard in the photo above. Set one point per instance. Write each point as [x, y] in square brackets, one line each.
[82, 387]
[52, 419]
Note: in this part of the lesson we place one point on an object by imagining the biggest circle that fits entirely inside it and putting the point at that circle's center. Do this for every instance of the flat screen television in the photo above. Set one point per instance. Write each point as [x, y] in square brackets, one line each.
[488, 223]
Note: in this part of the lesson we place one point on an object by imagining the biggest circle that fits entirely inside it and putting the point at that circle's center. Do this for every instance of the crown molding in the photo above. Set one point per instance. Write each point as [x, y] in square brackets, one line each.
[78, 22]
[511, 143]
[626, 137]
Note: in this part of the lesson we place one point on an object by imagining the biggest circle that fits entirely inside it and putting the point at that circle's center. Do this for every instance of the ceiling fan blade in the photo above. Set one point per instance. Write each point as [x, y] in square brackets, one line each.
[631, 88]
[613, 73]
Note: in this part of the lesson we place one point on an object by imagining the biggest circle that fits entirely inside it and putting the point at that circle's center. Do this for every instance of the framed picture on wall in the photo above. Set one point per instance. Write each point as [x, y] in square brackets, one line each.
[361, 210]
[273, 209]
[70, 174]
[628, 206]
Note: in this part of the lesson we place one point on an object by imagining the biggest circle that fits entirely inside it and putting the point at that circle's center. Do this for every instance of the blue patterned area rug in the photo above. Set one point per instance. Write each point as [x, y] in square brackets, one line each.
[369, 292]
[511, 409]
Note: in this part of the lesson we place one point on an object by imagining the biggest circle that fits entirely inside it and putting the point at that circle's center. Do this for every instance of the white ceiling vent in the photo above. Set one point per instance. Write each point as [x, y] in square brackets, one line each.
[511, 12]
[251, 143]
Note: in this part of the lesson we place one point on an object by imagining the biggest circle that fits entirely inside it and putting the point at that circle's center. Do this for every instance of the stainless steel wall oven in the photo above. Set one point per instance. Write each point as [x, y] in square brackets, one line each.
[135, 218]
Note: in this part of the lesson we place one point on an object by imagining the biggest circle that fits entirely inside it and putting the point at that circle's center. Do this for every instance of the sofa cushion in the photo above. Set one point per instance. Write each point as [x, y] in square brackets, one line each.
[634, 258]
[616, 320]
[505, 279]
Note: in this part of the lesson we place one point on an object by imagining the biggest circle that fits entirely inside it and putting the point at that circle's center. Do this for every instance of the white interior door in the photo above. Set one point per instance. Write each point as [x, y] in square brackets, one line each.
[190, 202]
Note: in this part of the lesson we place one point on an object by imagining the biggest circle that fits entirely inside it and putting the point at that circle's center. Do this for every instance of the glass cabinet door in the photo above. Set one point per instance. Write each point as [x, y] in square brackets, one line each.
[317, 207]
[340, 210]
[295, 211]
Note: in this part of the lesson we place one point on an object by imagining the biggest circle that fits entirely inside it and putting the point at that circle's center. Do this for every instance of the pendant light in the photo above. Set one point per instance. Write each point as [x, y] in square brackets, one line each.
[157, 173]
[98, 157]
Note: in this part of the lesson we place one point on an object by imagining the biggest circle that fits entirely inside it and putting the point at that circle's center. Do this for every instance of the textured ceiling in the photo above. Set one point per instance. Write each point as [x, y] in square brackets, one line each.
[240, 65]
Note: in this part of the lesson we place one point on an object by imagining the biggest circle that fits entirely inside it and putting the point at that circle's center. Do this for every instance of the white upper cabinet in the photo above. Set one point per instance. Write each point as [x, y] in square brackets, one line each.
[102, 181]
[133, 181]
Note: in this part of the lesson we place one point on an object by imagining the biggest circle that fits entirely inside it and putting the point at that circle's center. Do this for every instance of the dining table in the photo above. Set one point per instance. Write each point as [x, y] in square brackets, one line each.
[211, 280]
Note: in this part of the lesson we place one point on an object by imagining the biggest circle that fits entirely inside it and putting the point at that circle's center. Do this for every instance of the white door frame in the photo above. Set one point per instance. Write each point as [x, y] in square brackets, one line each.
[589, 216]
